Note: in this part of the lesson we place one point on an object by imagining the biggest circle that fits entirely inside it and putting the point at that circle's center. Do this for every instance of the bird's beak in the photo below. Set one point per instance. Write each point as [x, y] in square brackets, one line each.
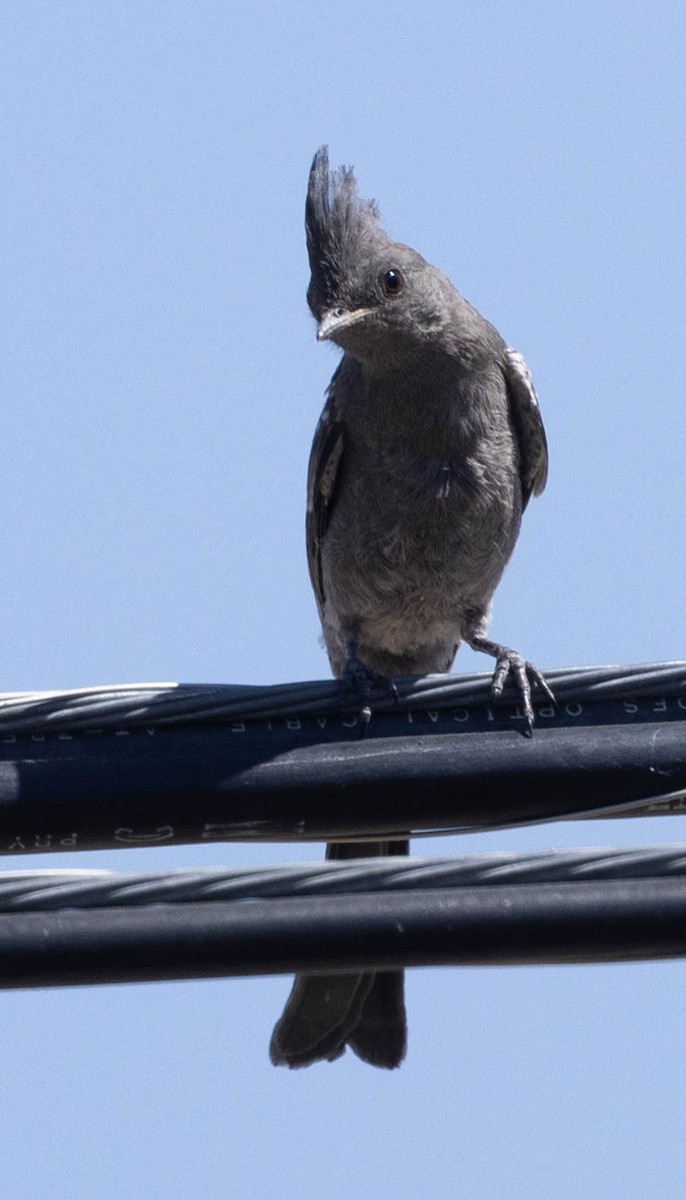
[338, 319]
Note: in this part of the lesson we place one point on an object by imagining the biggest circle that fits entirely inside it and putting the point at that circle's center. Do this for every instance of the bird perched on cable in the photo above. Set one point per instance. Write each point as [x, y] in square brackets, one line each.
[426, 454]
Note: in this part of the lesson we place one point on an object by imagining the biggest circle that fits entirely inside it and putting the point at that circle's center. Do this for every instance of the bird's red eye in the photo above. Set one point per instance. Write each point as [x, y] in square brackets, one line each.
[393, 282]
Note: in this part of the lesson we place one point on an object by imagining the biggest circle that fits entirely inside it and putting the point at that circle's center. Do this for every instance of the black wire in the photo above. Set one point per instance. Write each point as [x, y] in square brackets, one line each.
[600, 921]
[160, 764]
[306, 778]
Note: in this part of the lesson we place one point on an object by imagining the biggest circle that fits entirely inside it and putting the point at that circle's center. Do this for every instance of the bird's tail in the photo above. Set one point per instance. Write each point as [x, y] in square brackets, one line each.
[324, 1013]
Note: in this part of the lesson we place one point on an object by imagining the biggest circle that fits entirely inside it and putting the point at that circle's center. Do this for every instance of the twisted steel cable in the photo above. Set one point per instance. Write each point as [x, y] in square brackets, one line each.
[31, 891]
[153, 704]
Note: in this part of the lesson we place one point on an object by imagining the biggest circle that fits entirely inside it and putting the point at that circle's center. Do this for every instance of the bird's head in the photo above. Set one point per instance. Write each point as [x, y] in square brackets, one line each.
[375, 298]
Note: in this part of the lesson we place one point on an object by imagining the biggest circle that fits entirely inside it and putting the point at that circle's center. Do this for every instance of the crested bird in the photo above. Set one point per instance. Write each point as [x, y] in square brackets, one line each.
[428, 449]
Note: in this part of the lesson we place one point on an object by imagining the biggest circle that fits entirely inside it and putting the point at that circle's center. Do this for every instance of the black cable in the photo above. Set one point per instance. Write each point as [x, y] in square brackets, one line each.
[448, 768]
[607, 921]
[158, 764]
[208, 783]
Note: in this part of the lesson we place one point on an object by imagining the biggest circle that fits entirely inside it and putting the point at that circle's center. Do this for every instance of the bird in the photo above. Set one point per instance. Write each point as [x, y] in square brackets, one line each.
[428, 449]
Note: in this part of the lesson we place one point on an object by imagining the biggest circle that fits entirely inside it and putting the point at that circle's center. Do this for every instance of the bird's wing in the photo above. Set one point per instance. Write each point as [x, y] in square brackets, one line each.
[528, 425]
[325, 458]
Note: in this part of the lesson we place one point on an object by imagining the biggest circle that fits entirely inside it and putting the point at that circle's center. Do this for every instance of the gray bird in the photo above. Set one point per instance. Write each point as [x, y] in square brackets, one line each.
[429, 446]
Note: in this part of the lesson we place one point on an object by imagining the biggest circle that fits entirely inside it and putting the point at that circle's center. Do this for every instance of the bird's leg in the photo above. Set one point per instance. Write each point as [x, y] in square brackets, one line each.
[360, 679]
[510, 662]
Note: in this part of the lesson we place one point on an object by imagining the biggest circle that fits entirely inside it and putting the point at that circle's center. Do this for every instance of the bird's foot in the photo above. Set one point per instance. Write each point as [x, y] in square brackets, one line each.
[359, 680]
[524, 674]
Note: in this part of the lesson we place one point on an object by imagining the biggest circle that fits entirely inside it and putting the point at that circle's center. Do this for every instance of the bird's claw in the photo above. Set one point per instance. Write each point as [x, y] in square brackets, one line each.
[524, 674]
[358, 680]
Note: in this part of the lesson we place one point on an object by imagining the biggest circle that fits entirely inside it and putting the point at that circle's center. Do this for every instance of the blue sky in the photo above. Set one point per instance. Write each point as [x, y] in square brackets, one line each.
[161, 383]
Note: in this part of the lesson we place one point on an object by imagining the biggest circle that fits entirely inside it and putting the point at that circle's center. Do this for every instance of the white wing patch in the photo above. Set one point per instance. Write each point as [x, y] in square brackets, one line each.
[519, 366]
[528, 424]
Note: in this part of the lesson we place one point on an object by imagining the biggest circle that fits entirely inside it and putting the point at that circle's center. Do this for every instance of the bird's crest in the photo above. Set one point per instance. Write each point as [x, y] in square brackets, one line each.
[340, 227]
